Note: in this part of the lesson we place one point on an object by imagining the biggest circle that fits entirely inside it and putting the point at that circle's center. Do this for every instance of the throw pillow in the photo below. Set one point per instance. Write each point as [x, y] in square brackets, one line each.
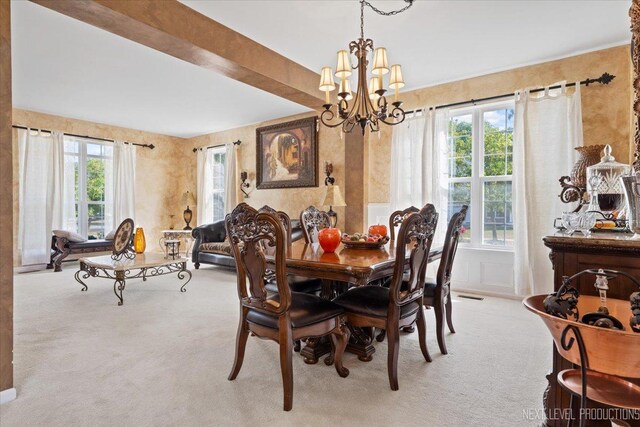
[110, 235]
[69, 235]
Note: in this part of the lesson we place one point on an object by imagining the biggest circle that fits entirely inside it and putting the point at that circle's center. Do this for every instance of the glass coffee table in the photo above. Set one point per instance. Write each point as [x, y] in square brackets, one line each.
[142, 266]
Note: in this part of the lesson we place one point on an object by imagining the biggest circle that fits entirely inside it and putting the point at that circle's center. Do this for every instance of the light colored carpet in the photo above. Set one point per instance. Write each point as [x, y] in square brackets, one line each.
[163, 358]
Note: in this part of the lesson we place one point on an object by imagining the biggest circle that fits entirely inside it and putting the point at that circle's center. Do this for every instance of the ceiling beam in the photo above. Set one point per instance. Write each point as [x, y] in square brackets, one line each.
[177, 30]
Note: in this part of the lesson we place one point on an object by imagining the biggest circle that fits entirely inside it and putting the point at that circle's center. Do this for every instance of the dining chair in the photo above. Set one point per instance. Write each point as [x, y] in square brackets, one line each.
[286, 316]
[437, 293]
[395, 219]
[308, 285]
[401, 304]
[312, 220]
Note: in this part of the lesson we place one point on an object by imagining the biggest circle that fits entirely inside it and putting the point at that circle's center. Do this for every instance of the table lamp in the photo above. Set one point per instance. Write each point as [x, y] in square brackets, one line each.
[188, 199]
[332, 198]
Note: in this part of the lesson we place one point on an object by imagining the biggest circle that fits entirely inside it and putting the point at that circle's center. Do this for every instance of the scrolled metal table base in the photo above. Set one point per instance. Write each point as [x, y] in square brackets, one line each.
[120, 277]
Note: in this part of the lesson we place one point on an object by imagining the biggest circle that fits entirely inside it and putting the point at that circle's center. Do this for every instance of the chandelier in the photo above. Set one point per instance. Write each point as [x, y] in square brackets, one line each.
[369, 106]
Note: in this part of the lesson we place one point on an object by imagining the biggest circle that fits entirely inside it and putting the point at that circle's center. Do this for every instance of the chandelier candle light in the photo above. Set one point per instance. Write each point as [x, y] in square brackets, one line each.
[370, 106]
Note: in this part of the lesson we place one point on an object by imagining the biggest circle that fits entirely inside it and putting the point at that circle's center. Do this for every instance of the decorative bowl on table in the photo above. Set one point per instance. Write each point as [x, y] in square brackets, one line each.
[364, 241]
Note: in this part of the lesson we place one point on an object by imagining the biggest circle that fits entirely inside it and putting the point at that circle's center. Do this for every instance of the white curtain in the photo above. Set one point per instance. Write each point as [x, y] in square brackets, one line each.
[418, 164]
[230, 179]
[42, 193]
[547, 128]
[124, 181]
[204, 183]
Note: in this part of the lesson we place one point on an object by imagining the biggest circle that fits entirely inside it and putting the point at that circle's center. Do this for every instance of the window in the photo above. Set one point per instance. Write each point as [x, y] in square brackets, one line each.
[480, 166]
[218, 162]
[85, 164]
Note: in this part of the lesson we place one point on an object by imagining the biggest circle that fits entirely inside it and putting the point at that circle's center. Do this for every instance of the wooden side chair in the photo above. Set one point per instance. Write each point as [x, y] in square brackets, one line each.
[395, 219]
[312, 220]
[308, 285]
[436, 292]
[287, 316]
[401, 304]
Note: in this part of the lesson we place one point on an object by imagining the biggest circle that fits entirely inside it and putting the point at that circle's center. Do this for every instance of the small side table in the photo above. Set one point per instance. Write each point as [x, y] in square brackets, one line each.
[182, 235]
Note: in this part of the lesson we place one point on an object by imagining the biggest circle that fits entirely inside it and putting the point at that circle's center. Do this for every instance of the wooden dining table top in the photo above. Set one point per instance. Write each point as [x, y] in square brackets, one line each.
[356, 266]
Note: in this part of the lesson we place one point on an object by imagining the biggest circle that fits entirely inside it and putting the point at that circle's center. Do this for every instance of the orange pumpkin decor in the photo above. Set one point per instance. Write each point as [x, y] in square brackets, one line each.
[329, 239]
[378, 229]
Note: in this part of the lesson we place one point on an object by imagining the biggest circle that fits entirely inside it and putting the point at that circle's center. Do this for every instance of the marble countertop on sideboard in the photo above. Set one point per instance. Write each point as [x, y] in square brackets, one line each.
[604, 240]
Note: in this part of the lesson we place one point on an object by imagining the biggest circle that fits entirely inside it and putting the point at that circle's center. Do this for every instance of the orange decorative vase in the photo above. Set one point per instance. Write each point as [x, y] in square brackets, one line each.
[378, 229]
[329, 239]
[139, 242]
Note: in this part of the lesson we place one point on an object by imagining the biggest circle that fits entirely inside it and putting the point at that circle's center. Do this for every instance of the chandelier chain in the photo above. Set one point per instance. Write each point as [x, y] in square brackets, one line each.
[391, 13]
[364, 3]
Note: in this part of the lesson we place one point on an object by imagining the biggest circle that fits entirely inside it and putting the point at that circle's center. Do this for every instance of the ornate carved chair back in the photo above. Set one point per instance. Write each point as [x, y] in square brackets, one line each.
[450, 246]
[284, 218]
[312, 219]
[396, 219]
[250, 232]
[416, 229]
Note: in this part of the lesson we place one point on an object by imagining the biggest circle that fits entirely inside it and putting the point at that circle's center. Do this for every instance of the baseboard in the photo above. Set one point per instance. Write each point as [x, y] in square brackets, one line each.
[7, 395]
[456, 290]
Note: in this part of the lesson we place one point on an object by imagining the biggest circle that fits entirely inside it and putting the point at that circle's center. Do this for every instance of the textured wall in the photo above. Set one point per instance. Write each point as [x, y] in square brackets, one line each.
[293, 200]
[6, 217]
[605, 109]
[157, 170]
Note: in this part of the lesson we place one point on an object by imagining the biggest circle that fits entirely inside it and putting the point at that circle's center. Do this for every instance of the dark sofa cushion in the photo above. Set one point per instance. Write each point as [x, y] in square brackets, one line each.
[305, 310]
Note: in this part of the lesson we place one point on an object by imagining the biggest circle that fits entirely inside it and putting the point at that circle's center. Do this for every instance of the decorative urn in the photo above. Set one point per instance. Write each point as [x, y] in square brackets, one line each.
[378, 229]
[329, 239]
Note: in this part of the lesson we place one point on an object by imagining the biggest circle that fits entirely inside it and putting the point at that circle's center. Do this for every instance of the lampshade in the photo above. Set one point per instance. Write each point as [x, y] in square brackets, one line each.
[380, 63]
[343, 69]
[345, 87]
[396, 81]
[374, 85]
[326, 80]
[333, 197]
[188, 198]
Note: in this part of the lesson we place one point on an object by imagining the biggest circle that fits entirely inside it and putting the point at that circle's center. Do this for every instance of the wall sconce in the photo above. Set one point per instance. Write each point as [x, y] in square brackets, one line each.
[244, 184]
[328, 170]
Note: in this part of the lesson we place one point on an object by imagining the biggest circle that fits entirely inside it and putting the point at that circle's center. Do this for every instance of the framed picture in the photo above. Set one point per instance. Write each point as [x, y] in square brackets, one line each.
[287, 154]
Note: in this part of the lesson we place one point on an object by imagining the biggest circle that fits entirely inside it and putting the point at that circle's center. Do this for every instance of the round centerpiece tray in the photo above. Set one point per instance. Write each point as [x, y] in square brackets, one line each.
[373, 242]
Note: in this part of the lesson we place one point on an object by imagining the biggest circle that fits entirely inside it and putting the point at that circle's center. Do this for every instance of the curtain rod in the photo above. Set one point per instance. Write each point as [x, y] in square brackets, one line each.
[238, 142]
[604, 79]
[151, 146]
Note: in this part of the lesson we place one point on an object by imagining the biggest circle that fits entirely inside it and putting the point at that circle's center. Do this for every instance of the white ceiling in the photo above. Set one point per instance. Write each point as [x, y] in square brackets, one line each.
[65, 67]
[435, 41]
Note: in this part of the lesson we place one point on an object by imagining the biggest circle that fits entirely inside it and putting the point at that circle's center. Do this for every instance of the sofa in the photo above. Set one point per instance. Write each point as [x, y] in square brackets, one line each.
[211, 245]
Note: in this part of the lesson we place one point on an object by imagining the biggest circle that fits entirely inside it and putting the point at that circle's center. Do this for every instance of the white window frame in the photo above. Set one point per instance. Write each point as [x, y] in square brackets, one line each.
[477, 178]
[217, 151]
[83, 202]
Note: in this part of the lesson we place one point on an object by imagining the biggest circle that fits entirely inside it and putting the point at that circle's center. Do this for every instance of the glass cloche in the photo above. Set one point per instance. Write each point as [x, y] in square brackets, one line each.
[603, 184]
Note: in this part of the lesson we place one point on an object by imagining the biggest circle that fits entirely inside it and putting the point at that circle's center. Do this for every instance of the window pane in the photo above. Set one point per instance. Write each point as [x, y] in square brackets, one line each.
[218, 186]
[498, 214]
[461, 125]
[498, 142]
[95, 229]
[95, 180]
[460, 194]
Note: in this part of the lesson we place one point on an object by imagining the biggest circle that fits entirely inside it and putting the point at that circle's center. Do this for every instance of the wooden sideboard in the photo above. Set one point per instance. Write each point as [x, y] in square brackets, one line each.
[569, 255]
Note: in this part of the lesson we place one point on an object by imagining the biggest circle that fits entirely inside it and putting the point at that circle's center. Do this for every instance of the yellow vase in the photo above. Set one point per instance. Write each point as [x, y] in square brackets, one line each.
[139, 242]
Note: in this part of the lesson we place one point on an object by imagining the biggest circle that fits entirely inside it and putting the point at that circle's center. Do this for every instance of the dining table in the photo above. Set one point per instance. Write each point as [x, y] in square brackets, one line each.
[339, 270]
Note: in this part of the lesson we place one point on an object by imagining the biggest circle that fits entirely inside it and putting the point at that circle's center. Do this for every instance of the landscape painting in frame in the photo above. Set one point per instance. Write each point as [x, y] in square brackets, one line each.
[287, 154]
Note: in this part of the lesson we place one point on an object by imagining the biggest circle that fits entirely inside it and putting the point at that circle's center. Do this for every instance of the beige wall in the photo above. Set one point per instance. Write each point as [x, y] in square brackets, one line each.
[293, 200]
[157, 170]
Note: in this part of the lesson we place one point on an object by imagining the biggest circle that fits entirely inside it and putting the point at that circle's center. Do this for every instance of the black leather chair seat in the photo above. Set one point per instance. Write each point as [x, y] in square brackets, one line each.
[305, 285]
[305, 310]
[430, 288]
[372, 301]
